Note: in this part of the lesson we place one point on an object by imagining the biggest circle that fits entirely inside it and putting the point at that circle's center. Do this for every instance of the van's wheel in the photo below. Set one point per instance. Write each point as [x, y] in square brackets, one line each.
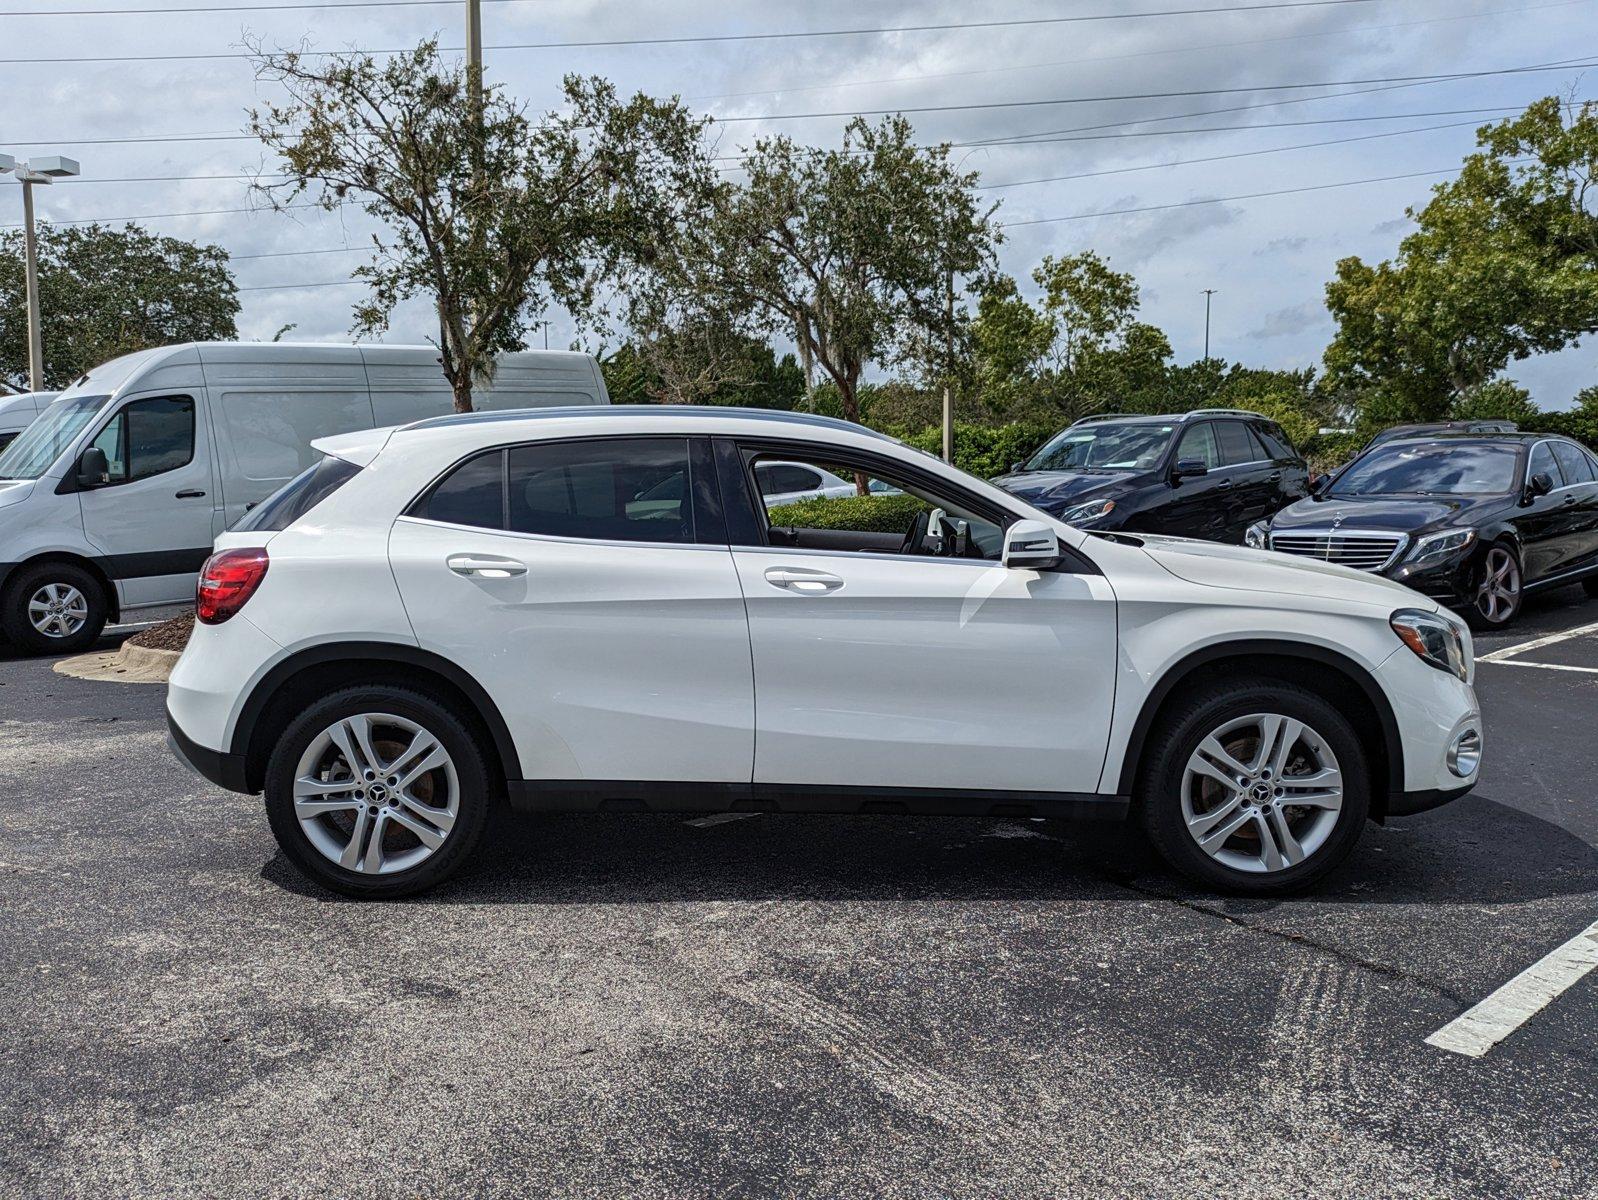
[1254, 786]
[377, 792]
[53, 608]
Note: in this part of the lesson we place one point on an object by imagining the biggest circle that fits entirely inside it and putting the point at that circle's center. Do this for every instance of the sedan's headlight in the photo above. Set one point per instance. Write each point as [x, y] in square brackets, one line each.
[1086, 514]
[1438, 545]
[1435, 639]
[1257, 536]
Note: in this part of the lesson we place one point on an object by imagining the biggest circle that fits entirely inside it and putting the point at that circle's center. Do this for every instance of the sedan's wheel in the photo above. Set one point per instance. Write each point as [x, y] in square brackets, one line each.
[53, 608]
[1497, 589]
[377, 792]
[1254, 786]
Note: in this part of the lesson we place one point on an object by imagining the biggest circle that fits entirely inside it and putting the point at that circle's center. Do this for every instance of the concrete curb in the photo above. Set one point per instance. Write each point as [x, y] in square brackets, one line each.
[130, 664]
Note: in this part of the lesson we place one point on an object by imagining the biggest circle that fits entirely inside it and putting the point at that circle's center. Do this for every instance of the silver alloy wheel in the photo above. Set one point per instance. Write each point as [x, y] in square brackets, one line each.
[1262, 793]
[58, 610]
[376, 793]
[1499, 592]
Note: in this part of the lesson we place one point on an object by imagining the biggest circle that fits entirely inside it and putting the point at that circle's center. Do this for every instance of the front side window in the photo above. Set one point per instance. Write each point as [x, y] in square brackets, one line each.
[1433, 469]
[148, 437]
[1542, 463]
[1574, 463]
[887, 514]
[51, 432]
[1104, 446]
[1199, 445]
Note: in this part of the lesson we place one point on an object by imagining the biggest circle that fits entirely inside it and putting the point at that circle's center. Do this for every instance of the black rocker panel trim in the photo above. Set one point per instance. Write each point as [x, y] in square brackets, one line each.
[625, 795]
[1265, 648]
[155, 562]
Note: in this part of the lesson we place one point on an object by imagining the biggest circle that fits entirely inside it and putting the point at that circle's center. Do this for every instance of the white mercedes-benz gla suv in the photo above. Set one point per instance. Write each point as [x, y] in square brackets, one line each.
[595, 609]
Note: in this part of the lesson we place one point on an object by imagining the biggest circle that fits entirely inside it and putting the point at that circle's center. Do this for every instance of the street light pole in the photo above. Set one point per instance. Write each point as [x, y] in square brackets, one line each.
[474, 53]
[44, 170]
[1208, 292]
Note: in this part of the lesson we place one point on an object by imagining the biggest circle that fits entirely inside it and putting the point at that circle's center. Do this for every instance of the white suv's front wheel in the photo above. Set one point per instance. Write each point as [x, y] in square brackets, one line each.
[377, 792]
[1254, 786]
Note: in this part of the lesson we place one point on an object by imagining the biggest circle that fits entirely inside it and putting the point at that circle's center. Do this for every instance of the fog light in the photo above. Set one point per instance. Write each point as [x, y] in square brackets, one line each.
[1464, 755]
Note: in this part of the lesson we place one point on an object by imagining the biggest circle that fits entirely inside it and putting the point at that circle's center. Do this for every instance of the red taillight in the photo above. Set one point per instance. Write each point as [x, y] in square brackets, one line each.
[227, 580]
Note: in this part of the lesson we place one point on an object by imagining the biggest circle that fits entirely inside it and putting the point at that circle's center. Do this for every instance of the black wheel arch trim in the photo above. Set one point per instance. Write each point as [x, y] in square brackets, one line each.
[1266, 647]
[262, 693]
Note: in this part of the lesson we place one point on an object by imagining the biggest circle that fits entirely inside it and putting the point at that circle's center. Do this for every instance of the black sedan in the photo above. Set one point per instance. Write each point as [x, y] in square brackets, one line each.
[1210, 473]
[1475, 521]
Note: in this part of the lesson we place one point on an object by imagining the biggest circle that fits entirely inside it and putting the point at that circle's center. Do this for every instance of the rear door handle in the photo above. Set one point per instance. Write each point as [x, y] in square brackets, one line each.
[1569, 500]
[485, 566]
[1276, 477]
[802, 580]
[1225, 483]
[190, 494]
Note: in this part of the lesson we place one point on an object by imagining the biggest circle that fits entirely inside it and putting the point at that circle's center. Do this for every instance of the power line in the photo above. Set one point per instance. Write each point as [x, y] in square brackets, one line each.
[1187, 162]
[210, 212]
[1319, 187]
[783, 35]
[284, 287]
[245, 8]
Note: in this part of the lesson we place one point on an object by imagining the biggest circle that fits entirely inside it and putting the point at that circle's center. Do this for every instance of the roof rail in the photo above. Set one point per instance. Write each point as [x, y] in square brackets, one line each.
[1104, 417]
[1225, 412]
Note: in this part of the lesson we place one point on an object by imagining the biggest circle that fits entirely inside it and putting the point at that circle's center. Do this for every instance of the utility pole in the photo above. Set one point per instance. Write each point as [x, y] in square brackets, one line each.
[474, 53]
[1208, 292]
[40, 170]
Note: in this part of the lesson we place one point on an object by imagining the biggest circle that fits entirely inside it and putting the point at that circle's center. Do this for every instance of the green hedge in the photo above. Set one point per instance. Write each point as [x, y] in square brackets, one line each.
[865, 514]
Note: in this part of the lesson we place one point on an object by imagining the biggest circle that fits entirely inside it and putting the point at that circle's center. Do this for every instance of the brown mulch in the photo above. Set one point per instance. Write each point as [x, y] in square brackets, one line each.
[168, 635]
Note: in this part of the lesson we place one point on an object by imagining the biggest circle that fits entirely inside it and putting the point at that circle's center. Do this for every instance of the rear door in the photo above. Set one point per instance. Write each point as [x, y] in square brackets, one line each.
[1291, 474]
[587, 585]
[154, 522]
[1580, 498]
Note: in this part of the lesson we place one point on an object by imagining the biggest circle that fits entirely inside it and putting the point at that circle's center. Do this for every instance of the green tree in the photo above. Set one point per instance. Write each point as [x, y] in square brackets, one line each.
[850, 252]
[104, 292]
[491, 214]
[1497, 399]
[1090, 306]
[1009, 341]
[1503, 265]
[702, 364]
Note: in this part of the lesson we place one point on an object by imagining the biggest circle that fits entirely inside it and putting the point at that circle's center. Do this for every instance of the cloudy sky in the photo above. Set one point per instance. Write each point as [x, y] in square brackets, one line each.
[1131, 175]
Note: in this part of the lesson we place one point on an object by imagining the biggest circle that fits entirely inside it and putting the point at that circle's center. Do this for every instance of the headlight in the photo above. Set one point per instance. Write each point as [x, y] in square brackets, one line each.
[1434, 638]
[1436, 545]
[1258, 536]
[1085, 514]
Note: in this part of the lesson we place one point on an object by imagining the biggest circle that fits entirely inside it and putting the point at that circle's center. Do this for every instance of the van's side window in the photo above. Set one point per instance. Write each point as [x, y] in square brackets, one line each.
[149, 437]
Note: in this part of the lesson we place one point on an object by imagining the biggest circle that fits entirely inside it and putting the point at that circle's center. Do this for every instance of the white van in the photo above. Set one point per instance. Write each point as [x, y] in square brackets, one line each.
[110, 499]
[17, 411]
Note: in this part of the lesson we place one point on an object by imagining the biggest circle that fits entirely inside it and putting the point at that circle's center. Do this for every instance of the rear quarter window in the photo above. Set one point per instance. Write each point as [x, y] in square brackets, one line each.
[298, 496]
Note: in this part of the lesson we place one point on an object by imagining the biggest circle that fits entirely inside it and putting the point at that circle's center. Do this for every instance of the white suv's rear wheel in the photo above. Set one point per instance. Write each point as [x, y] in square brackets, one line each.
[377, 792]
[1254, 786]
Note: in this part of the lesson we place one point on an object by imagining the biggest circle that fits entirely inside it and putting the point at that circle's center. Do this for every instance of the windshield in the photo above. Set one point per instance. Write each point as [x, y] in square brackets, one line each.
[1105, 447]
[1432, 469]
[51, 432]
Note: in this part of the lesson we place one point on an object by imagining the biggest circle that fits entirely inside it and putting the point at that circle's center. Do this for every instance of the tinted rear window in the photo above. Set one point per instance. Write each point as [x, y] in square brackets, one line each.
[298, 496]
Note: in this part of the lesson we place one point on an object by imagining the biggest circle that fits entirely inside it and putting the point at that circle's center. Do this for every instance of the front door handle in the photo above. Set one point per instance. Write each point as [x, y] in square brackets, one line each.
[190, 494]
[1276, 477]
[485, 566]
[802, 580]
[1225, 483]
[1569, 500]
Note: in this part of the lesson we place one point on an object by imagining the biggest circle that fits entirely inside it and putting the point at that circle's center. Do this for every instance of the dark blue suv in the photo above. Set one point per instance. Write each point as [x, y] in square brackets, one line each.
[1209, 474]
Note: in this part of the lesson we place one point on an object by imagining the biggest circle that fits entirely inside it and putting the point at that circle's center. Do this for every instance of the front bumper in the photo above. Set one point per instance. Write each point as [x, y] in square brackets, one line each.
[1403, 804]
[221, 768]
[1446, 580]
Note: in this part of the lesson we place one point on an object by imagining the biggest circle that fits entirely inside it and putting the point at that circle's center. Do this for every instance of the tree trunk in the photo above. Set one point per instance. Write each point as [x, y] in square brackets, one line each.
[462, 389]
[849, 394]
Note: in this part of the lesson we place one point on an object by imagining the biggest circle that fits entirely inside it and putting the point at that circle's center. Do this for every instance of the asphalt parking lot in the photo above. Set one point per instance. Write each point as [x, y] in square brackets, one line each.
[775, 1006]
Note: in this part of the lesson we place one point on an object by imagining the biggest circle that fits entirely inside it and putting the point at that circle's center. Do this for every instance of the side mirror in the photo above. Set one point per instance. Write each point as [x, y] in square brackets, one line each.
[1188, 468]
[1539, 484]
[1015, 466]
[1031, 546]
[93, 469]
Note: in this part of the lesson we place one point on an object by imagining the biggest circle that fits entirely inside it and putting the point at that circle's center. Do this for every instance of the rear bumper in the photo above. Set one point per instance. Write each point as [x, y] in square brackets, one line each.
[223, 769]
[1403, 804]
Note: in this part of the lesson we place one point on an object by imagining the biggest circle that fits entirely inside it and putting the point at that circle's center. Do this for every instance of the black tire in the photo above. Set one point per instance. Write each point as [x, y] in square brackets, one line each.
[1159, 798]
[1473, 610]
[69, 580]
[475, 792]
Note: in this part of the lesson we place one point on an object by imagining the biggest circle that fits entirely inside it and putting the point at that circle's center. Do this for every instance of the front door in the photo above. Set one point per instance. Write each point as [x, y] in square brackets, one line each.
[154, 521]
[892, 650]
[577, 582]
[1200, 506]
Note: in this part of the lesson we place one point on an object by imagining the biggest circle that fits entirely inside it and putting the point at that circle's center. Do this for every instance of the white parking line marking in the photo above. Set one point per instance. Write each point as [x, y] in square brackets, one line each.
[1544, 666]
[1478, 1030]
[1536, 644]
[718, 819]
